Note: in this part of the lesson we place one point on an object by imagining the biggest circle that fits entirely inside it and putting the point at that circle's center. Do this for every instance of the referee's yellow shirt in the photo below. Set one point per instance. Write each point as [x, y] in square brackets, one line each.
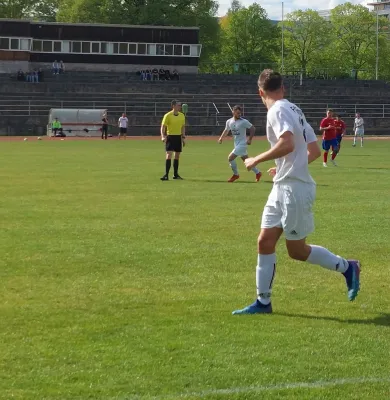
[174, 123]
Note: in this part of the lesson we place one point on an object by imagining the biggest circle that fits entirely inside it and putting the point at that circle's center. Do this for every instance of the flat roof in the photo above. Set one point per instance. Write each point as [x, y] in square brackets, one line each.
[378, 3]
[101, 25]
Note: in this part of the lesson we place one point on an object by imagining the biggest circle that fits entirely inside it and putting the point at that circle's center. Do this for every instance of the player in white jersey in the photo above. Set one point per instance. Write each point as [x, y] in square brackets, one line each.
[358, 128]
[289, 206]
[238, 127]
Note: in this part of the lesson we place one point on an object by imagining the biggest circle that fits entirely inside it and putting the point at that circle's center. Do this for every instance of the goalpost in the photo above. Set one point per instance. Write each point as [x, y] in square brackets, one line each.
[77, 122]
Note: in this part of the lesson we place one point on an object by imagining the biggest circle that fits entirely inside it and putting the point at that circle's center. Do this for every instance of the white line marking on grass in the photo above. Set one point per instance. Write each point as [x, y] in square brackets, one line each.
[265, 388]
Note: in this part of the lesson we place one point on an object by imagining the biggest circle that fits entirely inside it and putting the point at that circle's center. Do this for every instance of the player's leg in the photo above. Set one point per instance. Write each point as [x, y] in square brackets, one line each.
[176, 166]
[120, 133]
[354, 140]
[298, 223]
[168, 163]
[177, 147]
[335, 151]
[233, 165]
[271, 229]
[255, 170]
[361, 139]
[326, 148]
[125, 133]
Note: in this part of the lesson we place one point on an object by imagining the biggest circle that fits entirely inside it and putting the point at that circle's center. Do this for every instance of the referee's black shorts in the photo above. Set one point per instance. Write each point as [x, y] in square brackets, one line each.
[174, 143]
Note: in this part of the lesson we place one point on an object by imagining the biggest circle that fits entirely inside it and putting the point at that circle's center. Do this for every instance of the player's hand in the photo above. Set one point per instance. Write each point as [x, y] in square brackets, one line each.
[163, 139]
[220, 141]
[249, 142]
[183, 142]
[250, 163]
[272, 171]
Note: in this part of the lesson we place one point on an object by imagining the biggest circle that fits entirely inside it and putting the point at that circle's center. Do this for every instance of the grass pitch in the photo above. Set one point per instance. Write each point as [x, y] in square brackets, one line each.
[115, 285]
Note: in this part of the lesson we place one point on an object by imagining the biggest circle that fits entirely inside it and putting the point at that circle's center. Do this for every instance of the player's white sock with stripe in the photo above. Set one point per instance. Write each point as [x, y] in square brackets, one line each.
[265, 272]
[255, 170]
[233, 166]
[323, 257]
[354, 140]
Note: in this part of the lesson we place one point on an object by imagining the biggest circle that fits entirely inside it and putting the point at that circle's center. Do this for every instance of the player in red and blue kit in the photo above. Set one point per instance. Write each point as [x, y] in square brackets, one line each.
[340, 129]
[329, 139]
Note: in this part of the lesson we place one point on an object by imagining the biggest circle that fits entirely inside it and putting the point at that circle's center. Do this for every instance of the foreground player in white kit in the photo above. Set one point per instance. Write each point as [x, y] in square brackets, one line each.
[238, 126]
[289, 206]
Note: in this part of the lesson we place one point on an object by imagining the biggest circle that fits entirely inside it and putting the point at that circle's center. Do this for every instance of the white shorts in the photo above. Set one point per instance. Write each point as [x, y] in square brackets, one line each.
[240, 151]
[359, 132]
[289, 206]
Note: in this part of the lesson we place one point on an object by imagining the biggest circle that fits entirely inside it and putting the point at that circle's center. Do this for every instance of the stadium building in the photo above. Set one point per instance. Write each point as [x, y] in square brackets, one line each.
[25, 45]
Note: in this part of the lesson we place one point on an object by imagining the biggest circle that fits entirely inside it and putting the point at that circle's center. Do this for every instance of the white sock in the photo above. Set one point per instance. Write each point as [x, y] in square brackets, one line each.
[323, 257]
[233, 166]
[354, 140]
[265, 272]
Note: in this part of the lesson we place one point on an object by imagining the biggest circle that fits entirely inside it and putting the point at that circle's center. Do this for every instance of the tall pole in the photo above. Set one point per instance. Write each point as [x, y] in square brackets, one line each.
[377, 46]
[282, 38]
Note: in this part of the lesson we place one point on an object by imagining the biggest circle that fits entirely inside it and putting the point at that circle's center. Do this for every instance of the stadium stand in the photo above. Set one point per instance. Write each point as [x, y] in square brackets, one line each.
[24, 107]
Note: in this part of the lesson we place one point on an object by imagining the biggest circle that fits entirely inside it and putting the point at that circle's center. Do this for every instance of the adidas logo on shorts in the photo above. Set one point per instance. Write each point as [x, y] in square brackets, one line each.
[293, 233]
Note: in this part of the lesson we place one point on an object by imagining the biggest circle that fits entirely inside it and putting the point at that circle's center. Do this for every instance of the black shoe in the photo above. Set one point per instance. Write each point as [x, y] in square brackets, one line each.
[165, 178]
[178, 177]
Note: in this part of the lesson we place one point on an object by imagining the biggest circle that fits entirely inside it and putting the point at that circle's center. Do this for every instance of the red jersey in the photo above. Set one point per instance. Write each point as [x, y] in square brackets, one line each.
[329, 134]
[340, 127]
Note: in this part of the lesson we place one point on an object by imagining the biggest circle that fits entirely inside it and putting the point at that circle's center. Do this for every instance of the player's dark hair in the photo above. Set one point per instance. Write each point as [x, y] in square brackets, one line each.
[270, 81]
[237, 108]
[174, 102]
[329, 110]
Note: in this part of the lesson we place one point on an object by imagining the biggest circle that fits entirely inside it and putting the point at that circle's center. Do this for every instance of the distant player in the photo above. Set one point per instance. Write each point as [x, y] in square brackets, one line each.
[104, 127]
[238, 127]
[123, 122]
[329, 139]
[358, 129]
[340, 129]
[289, 206]
[173, 134]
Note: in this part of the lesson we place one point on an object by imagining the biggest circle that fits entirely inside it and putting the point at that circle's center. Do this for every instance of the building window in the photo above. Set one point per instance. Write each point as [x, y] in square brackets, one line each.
[14, 44]
[103, 47]
[86, 47]
[123, 48]
[151, 49]
[66, 46]
[37, 45]
[195, 50]
[47, 46]
[76, 47]
[25, 44]
[141, 48]
[169, 49]
[95, 47]
[178, 50]
[4, 43]
[160, 49]
[132, 48]
[57, 47]
[186, 50]
[116, 48]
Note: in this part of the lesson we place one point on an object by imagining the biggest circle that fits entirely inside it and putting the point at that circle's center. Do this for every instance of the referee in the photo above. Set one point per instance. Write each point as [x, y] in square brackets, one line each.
[173, 135]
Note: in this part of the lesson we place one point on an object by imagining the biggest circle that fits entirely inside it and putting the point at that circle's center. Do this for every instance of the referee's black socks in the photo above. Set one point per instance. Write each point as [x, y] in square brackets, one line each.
[175, 167]
[167, 166]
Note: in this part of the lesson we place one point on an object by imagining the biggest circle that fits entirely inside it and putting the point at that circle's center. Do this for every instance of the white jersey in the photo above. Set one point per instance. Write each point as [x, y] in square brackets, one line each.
[359, 124]
[123, 121]
[238, 128]
[283, 117]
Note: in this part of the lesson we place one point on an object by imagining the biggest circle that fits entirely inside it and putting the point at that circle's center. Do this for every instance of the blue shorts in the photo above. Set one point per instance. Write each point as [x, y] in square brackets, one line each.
[327, 144]
[339, 139]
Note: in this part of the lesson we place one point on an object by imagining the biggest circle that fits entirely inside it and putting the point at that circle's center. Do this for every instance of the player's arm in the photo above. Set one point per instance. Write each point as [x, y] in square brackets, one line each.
[252, 131]
[225, 132]
[163, 132]
[313, 150]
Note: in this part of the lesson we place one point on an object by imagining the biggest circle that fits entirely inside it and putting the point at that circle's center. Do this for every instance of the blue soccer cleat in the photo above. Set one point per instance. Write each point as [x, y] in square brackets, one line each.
[255, 308]
[352, 277]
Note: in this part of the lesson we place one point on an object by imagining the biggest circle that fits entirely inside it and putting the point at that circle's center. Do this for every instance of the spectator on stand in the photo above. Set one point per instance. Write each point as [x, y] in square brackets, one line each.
[61, 67]
[175, 75]
[40, 75]
[161, 74]
[35, 77]
[148, 74]
[20, 75]
[155, 74]
[143, 75]
[28, 77]
[55, 68]
[167, 75]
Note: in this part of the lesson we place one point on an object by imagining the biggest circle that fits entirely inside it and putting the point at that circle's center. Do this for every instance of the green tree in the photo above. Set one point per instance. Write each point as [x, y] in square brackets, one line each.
[249, 40]
[306, 38]
[354, 28]
[15, 8]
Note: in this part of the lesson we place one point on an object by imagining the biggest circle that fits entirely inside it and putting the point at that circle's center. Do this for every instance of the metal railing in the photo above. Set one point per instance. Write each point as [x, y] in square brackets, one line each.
[206, 109]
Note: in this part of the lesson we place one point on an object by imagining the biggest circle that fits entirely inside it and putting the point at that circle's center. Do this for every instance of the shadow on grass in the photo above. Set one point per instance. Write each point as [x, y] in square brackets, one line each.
[239, 182]
[383, 319]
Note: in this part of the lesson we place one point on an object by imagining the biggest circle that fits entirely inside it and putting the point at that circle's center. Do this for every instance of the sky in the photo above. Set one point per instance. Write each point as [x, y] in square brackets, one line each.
[274, 7]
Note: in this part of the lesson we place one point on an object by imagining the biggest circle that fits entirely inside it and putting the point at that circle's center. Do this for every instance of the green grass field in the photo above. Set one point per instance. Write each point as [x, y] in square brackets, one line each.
[115, 285]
